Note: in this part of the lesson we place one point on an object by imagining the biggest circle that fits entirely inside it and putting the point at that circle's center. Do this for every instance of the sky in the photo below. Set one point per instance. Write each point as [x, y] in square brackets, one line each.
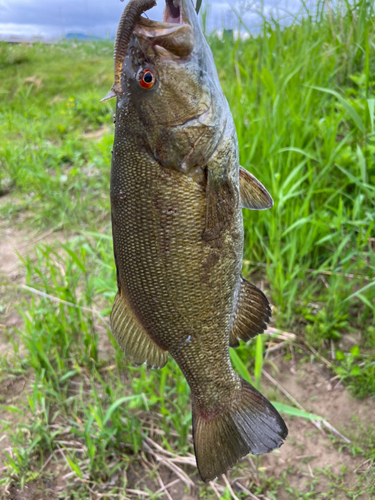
[56, 18]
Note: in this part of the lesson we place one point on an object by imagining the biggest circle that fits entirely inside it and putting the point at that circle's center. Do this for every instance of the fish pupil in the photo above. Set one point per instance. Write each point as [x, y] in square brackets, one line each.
[147, 77]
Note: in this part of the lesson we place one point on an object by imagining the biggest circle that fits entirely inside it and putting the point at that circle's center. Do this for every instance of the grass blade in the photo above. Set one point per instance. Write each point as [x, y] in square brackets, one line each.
[238, 364]
[348, 107]
[295, 412]
[258, 361]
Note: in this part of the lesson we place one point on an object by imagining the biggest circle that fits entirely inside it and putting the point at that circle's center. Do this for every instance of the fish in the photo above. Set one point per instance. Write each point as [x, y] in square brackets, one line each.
[177, 191]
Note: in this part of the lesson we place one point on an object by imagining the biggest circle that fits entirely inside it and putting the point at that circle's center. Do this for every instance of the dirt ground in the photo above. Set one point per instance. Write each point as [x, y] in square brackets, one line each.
[306, 453]
[307, 448]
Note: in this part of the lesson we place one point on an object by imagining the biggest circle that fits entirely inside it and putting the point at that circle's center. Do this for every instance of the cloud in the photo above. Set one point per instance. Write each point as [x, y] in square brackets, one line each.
[45, 12]
[100, 17]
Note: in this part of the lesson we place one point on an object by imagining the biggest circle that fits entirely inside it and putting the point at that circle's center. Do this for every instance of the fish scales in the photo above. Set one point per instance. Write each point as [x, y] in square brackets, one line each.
[161, 231]
[177, 192]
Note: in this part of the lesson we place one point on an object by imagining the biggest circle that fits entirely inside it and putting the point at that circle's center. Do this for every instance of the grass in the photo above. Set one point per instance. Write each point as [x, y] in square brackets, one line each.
[303, 100]
[50, 104]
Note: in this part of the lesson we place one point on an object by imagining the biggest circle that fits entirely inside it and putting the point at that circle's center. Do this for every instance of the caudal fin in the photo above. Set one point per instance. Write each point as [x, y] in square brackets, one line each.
[250, 425]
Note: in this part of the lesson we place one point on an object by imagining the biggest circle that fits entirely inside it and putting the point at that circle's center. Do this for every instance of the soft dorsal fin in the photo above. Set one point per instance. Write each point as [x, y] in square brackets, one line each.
[252, 314]
[134, 341]
[253, 194]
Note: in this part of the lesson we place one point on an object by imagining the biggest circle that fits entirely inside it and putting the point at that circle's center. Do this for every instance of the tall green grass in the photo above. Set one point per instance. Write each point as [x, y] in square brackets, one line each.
[303, 99]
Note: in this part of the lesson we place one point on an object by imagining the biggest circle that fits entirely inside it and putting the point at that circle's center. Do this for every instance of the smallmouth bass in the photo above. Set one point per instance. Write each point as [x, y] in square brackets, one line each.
[177, 193]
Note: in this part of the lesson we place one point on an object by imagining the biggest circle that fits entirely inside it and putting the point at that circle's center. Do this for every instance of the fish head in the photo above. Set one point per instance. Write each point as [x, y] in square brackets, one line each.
[170, 81]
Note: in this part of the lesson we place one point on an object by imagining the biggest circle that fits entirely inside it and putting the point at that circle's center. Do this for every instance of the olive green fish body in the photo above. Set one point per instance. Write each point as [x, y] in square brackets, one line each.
[177, 193]
[181, 288]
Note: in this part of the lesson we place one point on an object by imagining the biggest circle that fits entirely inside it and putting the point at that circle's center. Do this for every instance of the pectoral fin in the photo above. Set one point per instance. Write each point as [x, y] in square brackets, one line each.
[252, 314]
[137, 346]
[253, 194]
[221, 203]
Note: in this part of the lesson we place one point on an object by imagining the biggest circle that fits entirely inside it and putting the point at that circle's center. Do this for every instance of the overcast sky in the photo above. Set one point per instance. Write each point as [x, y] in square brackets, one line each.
[56, 18]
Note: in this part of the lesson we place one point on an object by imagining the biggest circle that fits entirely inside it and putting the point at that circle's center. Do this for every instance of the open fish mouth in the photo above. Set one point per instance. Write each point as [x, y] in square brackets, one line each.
[172, 12]
[176, 33]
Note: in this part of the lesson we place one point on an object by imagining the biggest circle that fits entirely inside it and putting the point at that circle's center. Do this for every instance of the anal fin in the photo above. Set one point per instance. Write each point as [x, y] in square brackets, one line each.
[137, 346]
[252, 314]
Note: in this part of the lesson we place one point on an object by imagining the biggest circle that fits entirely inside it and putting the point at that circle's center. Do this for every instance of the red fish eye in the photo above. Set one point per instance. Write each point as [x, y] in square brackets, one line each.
[146, 78]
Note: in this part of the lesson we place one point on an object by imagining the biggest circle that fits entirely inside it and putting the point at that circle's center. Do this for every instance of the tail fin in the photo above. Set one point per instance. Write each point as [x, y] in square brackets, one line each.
[250, 425]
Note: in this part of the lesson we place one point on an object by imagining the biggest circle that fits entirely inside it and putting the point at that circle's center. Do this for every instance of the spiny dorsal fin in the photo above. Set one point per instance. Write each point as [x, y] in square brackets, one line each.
[132, 338]
[252, 314]
[253, 194]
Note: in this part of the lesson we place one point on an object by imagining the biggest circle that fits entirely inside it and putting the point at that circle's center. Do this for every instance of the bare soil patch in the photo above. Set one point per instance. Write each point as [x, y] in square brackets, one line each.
[308, 450]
